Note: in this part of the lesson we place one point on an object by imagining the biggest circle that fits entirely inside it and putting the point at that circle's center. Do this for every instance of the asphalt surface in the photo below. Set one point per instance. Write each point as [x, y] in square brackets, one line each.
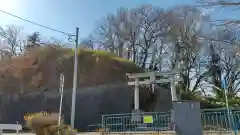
[97, 133]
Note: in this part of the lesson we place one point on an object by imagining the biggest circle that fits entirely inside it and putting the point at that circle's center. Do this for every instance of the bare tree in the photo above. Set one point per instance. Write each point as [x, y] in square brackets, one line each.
[184, 29]
[11, 34]
[88, 43]
[133, 32]
[224, 64]
[149, 32]
[55, 41]
[230, 66]
[153, 37]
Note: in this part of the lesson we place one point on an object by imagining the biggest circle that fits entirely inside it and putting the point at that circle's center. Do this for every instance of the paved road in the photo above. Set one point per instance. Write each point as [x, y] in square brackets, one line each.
[97, 133]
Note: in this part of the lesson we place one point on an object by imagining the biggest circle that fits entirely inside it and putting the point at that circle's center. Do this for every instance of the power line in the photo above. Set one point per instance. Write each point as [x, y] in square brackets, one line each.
[40, 25]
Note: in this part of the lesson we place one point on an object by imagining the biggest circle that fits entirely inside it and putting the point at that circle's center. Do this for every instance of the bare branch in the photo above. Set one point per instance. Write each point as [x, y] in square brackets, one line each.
[13, 42]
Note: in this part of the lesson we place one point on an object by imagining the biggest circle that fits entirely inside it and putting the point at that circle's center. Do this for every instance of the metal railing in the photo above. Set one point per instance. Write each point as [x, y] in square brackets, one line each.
[213, 120]
[150, 121]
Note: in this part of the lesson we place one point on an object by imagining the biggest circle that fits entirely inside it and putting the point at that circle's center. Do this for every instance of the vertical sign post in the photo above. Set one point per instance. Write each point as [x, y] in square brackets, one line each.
[61, 97]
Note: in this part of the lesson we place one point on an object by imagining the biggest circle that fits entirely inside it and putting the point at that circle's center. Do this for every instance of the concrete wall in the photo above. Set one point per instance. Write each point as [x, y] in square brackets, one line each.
[91, 103]
[187, 118]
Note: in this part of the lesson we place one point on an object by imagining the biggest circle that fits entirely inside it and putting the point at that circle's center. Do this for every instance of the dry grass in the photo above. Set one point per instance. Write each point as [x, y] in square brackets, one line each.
[42, 67]
[46, 124]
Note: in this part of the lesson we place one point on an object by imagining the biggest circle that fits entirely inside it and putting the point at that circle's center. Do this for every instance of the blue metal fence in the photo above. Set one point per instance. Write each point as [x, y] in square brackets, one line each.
[236, 115]
[213, 120]
[221, 119]
[125, 122]
[216, 121]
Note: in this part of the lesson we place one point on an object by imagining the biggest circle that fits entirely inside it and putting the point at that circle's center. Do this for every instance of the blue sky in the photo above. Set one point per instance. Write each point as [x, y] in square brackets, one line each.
[65, 15]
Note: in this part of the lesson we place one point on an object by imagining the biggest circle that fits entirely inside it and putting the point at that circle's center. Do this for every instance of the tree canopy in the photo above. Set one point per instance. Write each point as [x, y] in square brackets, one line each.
[185, 37]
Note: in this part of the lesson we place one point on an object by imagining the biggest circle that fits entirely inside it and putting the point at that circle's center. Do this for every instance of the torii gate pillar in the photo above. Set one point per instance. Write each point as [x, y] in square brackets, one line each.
[136, 95]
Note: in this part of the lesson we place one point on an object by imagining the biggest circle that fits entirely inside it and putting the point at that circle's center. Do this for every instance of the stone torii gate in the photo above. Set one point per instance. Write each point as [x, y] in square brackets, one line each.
[189, 125]
[151, 78]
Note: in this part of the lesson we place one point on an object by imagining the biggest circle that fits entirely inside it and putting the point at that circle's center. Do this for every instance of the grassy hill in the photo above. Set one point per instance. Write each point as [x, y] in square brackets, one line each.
[40, 69]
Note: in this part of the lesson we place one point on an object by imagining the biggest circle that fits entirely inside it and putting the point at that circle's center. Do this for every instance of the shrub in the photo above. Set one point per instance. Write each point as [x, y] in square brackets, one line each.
[47, 124]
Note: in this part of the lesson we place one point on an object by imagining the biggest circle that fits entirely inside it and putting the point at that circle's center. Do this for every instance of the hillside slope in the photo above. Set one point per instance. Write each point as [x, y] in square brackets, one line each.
[41, 68]
[30, 83]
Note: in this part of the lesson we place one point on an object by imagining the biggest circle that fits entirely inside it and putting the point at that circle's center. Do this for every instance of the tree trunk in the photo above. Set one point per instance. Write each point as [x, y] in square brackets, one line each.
[145, 58]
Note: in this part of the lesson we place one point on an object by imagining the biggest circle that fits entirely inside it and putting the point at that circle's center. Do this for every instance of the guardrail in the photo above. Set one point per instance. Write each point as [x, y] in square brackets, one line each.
[15, 127]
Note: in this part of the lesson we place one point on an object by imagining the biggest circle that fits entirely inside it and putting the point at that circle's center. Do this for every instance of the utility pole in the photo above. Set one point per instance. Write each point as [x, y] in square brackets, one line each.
[74, 80]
